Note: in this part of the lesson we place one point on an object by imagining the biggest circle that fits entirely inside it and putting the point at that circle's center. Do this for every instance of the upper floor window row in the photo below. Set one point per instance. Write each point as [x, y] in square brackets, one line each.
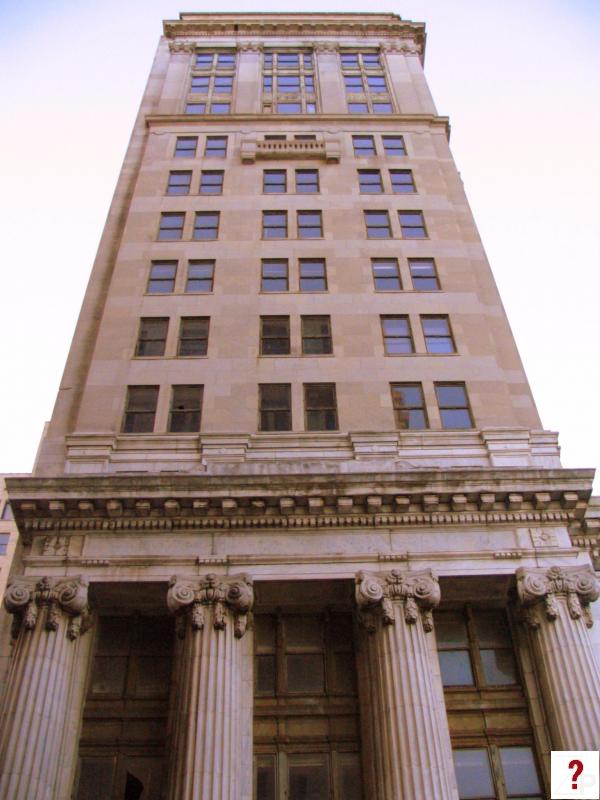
[284, 60]
[217, 107]
[206, 225]
[218, 84]
[214, 147]
[371, 182]
[360, 60]
[412, 225]
[364, 145]
[215, 61]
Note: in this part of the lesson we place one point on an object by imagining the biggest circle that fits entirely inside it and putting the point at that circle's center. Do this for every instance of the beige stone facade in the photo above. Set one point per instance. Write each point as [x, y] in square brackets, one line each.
[295, 529]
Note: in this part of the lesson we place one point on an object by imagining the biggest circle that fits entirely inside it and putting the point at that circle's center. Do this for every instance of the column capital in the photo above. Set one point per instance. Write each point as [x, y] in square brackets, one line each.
[326, 47]
[416, 591]
[190, 597]
[577, 585]
[25, 596]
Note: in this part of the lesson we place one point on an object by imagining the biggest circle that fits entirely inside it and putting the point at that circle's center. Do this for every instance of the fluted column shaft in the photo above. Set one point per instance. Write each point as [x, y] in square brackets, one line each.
[208, 729]
[556, 605]
[411, 744]
[48, 621]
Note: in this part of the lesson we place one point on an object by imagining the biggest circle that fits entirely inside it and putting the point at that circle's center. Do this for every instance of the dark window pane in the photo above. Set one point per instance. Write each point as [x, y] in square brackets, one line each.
[186, 406]
[305, 673]
[386, 274]
[310, 225]
[140, 409]
[206, 225]
[308, 781]
[211, 183]
[451, 395]
[185, 146]
[394, 145]
[275, 407]
[265, 778]
[274, 181]
[179, 182]
[152, 336]
[473, 775]
[204, 60]
[371, 60]
[200, 276]
[287, 59]
[200, 84]
[349, 59]
[363, 145]
[289, 108]
[171, 226]
[312, 276]
[376, 83]
[265, 674]
[193, 336]
[96, 778]
[382, 108]
[274, 276]
[162, 277]
[195, 108]
[499, 667]
[216, 146]
[455, 418]
[451, 630]
[402, 181]
[520, 773]
[350, 778]
[307, 181]
[225, 60]
[353, 83]
[288, 83]
[370, 181]
[455, 666]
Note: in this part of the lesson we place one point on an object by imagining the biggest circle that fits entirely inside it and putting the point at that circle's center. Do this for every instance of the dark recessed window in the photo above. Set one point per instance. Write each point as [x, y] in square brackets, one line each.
[423, 274]
[171, 226]
[409, 406]
[206, 225]
[186, 409]
[412, 224]
[494, 771]
[397, 337]
[216, 146]
[140, 409]
[193, 336]
[211, 182]
[195, 108]
[200, 84]
[162, 277]
[275, 406]
[363, 145]
[402, 181]
[386, 274]
[200, 276]
[369, 181]
[185, 147]
[274, 276]
[394, 145]
[453, 405]
[179, 183]
[320, 407]
[274, 181]
[378, 224]
[316, 335]
[310, 224]
[274, 336]
[307, 181]
[438, 336]
[274, 224]
[312, 275]
[152, 336]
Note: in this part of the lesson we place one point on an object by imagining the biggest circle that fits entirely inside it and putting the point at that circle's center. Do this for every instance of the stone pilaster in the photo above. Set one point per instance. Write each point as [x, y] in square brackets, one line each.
[556, 610]
[209, 726]
[408, 725]
[48, 618]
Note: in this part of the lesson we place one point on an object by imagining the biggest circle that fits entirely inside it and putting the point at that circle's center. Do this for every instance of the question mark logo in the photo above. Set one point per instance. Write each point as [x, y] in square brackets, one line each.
[577, 766]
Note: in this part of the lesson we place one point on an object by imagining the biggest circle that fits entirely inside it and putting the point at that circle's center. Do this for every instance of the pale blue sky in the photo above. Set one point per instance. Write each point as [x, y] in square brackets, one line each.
[520, 82]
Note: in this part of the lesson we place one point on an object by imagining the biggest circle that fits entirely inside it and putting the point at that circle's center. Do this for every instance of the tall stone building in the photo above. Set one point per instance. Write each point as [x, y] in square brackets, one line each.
[295, 529]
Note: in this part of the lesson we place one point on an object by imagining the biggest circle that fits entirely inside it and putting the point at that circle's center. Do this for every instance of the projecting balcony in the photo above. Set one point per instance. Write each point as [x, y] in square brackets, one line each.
[327, 150]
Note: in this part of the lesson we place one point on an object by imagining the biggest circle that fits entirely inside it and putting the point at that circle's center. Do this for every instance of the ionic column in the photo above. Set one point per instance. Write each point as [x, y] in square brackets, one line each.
[209, 725]
[556, 605]
[48, 618]
[409, 727]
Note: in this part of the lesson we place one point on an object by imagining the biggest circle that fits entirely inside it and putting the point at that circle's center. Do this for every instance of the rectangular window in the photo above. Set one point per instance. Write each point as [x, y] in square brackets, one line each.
[316, 335]
[349, 60]
[289, 108]
[274, 336]
[275, 404]
[423, 274]
[185, 146]
[371, 60]
[409, 406]
[179, 183]
[223, 84]
[386, 274]
[225, 61]
[438, 336]
[193, 336]
[310, 224]
[397, 337]
[216, 147]
[378, 224]
[382, 108]
[288, 83]
[162, 277]
[402, 181]
[307, 181]
[454, 405]
[507, 772]
[140, 409]
[369, 181]
[376, 84]
[363, 145]
[320, 407]
[394, 145]
[200, 276]
[204, 60]
[206, 225]
[200, 84]
[288, 60]
[274, 181]
[186, 409]
[171, 226]
[220, 108]
[195, 108]
[267, 84]
[152, 336]
[313, 277]
[412, 224]
[274, 276]
[358, 108]
[211, 182]
[353, 84]
[274, 224]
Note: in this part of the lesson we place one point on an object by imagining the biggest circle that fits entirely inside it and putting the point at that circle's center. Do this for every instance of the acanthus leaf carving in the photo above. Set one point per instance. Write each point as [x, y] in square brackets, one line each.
[577, 585]
[376, 593]
[25, 597]
[225, 594]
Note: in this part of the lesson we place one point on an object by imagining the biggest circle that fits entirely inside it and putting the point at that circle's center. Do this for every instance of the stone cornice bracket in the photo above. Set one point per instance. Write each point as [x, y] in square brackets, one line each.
[326, 47]
[418, 592]
[407, 48]
[577, 585]
[25, 597]
[182, 47]
[189, 598]
[250, 47]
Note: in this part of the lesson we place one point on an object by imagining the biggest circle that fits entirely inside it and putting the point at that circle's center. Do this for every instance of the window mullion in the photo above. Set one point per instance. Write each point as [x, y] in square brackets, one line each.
[474, 647]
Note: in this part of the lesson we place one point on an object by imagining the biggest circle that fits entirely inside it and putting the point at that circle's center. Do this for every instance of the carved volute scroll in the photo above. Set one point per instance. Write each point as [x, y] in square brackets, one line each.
[188, 598]
[27, 598]
[418, 592]
[538, 588]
